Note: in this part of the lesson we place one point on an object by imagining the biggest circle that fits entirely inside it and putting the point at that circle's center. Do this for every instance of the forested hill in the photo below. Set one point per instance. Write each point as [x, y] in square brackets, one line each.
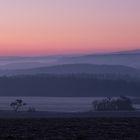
[68, 86]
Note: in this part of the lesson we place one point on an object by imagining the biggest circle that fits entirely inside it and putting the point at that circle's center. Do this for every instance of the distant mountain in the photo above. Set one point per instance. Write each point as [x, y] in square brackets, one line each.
[27, 62]
[137, 51]
[23, 65]
[125, 58]
[76, 69]
[86, 68]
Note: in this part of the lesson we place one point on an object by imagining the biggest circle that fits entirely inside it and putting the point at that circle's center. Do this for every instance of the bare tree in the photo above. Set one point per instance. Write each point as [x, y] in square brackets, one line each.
[17, 105]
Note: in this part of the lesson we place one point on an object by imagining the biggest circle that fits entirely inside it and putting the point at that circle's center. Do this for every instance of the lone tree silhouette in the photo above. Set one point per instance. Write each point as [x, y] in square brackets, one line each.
[17, 105]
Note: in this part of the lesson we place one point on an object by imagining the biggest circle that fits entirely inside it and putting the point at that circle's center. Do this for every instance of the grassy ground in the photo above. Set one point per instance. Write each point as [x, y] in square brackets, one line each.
[70, 129]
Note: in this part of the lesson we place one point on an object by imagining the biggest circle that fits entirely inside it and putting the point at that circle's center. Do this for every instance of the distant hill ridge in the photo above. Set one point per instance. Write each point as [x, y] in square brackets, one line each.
[136, 51]
[76, 69]
[85, 68]
[125, 58]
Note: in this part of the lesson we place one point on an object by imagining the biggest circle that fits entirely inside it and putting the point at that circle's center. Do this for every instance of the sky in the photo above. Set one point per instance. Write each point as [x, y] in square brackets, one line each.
[35, 27]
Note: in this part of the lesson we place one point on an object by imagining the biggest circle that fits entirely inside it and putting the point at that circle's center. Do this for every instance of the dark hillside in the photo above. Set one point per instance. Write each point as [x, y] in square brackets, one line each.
[66, 86]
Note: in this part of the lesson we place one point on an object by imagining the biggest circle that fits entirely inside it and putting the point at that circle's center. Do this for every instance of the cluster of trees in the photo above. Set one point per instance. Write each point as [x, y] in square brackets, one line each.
[121, 103]
[113, 104]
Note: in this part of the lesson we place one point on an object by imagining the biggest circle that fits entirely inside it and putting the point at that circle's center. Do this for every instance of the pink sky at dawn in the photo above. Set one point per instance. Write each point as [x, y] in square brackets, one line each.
[34, 27]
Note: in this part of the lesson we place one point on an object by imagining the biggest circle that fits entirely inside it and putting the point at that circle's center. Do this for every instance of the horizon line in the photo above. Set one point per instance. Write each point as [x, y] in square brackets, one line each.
[72, 54]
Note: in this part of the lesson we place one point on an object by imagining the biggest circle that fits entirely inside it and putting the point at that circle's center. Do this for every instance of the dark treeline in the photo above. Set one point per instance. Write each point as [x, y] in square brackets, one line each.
[79, 85]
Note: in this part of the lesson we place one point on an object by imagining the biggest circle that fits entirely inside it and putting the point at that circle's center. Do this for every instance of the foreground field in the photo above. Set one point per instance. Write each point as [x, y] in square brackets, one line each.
[70, 129]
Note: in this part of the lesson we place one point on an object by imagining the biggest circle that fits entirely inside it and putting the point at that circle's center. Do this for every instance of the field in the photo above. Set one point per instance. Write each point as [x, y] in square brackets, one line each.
[70, 129]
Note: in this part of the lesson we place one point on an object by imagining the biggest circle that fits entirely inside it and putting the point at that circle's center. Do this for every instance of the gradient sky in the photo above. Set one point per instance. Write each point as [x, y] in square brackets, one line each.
[68, 26]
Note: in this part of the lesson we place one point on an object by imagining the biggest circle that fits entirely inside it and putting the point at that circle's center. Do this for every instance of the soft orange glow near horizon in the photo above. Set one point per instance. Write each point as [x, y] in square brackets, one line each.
[38, 27]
